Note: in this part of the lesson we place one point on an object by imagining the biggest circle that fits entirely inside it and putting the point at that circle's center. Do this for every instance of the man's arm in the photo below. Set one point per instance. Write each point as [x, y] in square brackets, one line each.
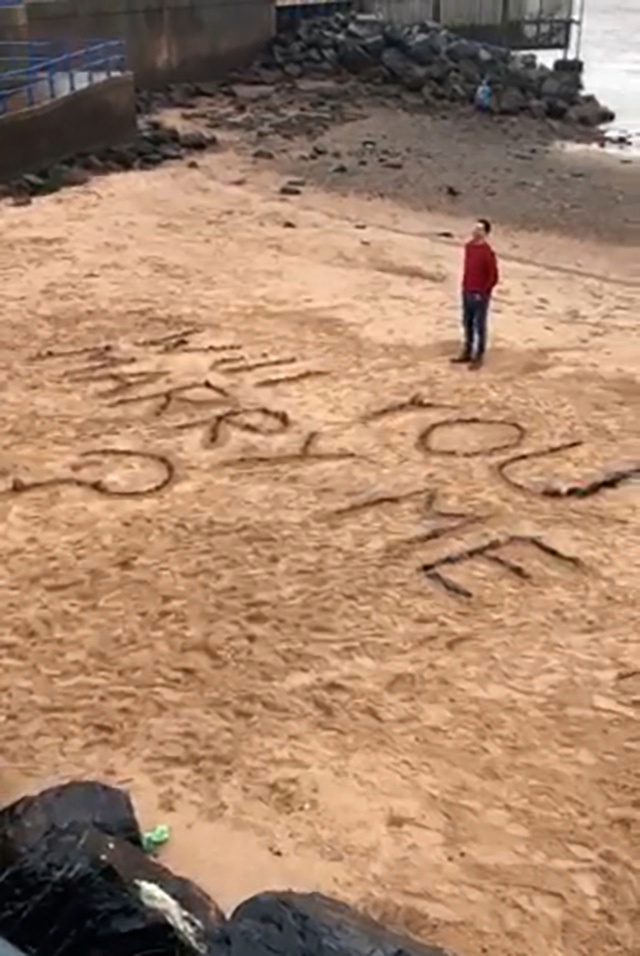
[494, 276]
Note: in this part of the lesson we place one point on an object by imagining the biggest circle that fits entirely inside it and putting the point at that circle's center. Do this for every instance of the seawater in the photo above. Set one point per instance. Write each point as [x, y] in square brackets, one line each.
[611, 54]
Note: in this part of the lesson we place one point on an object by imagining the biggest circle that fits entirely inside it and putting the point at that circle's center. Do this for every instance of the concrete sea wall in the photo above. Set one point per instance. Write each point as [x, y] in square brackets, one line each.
[167, 40]
[99, 115]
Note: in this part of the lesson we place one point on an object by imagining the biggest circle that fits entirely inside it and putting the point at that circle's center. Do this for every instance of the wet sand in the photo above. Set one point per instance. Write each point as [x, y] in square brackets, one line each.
[539, 177]
[322, 617]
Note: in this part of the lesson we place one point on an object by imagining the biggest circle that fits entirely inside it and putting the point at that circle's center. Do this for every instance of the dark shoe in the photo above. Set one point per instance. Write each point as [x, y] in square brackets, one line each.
[459, 359]
[476, 363]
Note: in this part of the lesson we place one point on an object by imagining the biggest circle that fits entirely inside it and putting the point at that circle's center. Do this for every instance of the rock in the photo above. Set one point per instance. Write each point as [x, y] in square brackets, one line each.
[415, 57]
[339, 168]
[551, 88]
[353, 57]
[193, 164]
[423, 48]
[511, 101]
[463, 50]
[194, 140]
[452, 191]
[439, 70]
[297, 924]
[455, 90]
[22, 199]
[34, 183]
[528, 61]
[364, 25]
[288, 190]
[251, 92]
[373, 46]
[156, 134]
[92, 163]
[93, 804]
[70, 176]
[148, 161]
[411, 75]
[538, 109]
[589, 112]
[556, 109]
[77, 890]
[263, 154]
[123, 156]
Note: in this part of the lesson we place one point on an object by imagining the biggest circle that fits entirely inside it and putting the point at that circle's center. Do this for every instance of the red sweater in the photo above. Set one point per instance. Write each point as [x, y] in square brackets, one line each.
[480, 268]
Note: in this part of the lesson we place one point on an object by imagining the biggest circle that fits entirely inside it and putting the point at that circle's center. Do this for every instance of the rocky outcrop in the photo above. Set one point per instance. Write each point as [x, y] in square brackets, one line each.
[436, 63]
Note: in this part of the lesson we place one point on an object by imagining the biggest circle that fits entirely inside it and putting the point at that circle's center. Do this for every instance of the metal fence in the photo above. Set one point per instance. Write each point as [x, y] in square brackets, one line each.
[34, 71]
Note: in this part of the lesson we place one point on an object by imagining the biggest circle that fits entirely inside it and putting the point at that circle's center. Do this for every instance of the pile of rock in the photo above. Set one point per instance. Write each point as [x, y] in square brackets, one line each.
[155, 144]
[437, 64]
[76, 880]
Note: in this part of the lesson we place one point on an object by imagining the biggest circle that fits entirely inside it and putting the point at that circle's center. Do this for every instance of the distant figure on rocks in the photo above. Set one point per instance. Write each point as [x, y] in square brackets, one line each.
[482, 99]
[478, 282]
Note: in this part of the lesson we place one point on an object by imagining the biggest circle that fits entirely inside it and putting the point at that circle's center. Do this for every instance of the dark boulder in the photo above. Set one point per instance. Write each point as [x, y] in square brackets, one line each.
[590, 112]
[194, 140]
[511, 101]
[85, 802]
[408, 73]
[439, 70]
[556, 109]
[297, 924]
[423, 48]
[354, 57]
[81, 892]
[463, 50]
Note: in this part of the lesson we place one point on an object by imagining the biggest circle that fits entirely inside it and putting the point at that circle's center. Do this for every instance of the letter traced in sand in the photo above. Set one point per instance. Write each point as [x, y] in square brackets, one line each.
[104, 487]
[308, 454]
[490, 552]
[287, 379]
[478, 431]
[586, 489]
[170, 342]
[416, 403]
[165, 399]
[255, 419]
[442, 522]
[91, 353]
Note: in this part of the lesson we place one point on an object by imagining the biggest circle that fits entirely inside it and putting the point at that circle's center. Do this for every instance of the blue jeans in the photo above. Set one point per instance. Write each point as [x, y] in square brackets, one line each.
[475, 309]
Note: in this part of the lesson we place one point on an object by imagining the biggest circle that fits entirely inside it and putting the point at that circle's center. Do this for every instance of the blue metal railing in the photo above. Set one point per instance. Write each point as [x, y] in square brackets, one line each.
[34, 71]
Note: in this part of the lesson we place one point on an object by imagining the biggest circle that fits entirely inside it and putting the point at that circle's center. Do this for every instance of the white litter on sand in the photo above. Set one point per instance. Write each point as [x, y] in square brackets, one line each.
[189, 928]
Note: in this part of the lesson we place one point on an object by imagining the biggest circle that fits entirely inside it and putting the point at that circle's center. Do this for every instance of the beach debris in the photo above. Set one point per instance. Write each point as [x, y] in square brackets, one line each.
[152, 840]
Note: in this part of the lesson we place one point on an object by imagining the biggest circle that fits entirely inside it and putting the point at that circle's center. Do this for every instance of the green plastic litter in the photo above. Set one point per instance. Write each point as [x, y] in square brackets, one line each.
[152, 840]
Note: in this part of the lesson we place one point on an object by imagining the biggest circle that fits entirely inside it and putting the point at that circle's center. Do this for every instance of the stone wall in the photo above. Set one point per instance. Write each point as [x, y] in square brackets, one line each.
[97, 116]
[167, 40]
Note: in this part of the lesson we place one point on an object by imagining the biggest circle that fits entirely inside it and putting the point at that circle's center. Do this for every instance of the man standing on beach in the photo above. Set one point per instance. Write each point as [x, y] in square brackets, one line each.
[479, 280]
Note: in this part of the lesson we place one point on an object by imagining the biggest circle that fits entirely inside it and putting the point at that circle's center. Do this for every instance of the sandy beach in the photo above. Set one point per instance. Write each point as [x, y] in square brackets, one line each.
[344, 616]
